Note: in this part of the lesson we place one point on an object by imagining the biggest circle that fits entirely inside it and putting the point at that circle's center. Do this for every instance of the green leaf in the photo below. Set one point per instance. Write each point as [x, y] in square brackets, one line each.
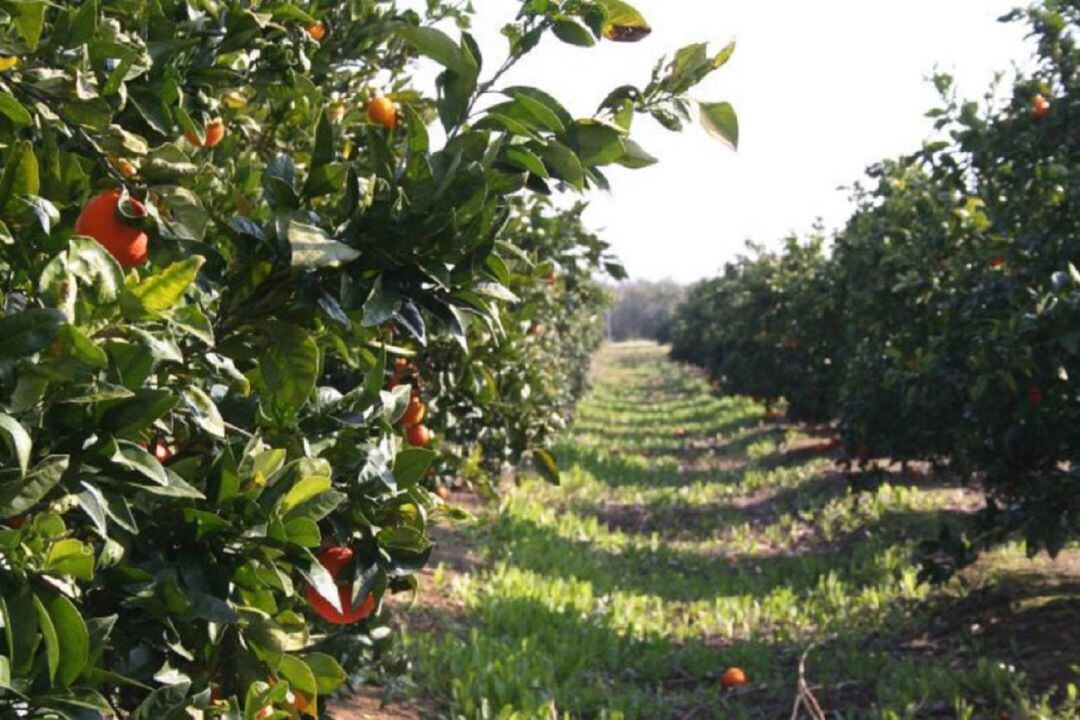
[72, 637]
[206, 523]
[132, 457]
[622, 23]
[20, 495]
[312, 247]
[48, 634]
[305, 489]
[323, 152]
[329, 675]
[598, 143]
[520, 157]
[299, 675]
[135, 414]
[635, 157]
[29, 331]
[322, 581]
[71, 557]
[289, 367]
[29, 18]
[721, 122]
[193, 321]
[14, 110]
[96, 268]
[20, 177]
[182, 214]
[204, 411]
[573, 33]
[380, 305]
[161, 292]
[438, 46]
[17, 441]
[303, 531]
[163, 703]
[539, 97]
[411, 464]
[564, 164]
[546, 465]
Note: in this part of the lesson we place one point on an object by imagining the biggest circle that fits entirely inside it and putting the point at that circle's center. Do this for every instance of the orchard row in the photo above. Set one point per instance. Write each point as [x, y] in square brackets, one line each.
[942, 323]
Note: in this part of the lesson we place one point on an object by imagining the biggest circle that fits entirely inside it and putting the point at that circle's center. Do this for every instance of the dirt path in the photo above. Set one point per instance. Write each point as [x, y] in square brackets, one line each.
[691, 535]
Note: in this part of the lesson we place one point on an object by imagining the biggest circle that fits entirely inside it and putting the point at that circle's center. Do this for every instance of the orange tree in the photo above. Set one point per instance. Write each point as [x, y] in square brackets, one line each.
[214, 248]
[768, 328]
[945, 319]
[528, 368]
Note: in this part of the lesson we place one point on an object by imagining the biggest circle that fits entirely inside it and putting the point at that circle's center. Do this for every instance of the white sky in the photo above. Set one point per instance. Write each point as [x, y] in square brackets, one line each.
[823, 89]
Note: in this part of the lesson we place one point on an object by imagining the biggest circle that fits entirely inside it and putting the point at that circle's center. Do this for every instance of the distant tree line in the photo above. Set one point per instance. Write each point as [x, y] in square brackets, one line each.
[643, 310]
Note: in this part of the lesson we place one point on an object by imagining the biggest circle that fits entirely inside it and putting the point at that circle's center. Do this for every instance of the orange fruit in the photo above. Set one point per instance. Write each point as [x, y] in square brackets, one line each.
[1040, 107]
[418, 436]
[414, 415]
[301, 701]
[124, 167]
[213, 133]
[161, 451]
[334, 559]
[383, 111]
[733, 677]
[316, 31]
[997, 261]
[101, 220]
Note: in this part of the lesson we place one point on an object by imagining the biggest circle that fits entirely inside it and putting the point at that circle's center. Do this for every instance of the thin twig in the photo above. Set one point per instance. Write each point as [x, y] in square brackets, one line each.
[804, 697]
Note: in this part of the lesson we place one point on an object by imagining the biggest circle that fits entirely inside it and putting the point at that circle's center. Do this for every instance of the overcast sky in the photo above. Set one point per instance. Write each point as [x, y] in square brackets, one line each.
[822, 89]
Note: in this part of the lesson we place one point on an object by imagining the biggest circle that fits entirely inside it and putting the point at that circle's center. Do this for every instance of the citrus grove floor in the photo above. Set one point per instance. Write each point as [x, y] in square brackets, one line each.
[690, 535]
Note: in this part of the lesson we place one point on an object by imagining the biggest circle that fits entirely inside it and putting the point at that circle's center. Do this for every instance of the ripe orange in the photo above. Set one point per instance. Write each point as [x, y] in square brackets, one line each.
[101, 220]
[213, 133]
[1040, 107]
[161, 451]
[443, 492]
[334, 559]
[301, 702]
[383, 111]
[414, 415]
[316, 31]
[733, 677]
[997, 261]
[124, 167]
[419, 436]
[401, 365]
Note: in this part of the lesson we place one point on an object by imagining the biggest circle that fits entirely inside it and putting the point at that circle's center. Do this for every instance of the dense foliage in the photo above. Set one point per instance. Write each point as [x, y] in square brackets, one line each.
[943, 325]
[239, 300]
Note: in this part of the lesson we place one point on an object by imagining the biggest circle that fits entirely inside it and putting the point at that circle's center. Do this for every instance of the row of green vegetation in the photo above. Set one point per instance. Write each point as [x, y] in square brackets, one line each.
[941, 323]
[692, 555]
